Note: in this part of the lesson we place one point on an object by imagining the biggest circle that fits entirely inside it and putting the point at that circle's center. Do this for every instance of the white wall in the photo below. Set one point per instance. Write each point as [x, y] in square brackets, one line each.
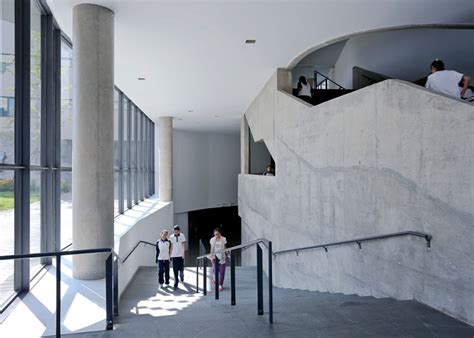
[406, 54]
[205, 169]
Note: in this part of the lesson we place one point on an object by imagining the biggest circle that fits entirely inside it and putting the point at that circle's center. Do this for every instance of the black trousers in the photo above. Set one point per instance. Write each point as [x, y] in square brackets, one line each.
[163, 271]
[178, 269]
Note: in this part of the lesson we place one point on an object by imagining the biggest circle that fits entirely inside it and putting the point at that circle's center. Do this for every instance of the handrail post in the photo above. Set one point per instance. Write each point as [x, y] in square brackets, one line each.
[204, 276]
[270, 282]
[216, 276]
[259, 281]
[197, 275]
[58, 295]
[116, 297]
[232, 278]
[108, 293]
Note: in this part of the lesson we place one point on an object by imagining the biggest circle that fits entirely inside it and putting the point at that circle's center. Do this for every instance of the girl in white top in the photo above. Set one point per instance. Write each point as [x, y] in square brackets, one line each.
[218, 244]
[304, 89]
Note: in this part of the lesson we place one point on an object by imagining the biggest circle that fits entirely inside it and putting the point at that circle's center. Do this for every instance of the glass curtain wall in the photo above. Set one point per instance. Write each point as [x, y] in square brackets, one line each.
[134, 165]
[36, 123]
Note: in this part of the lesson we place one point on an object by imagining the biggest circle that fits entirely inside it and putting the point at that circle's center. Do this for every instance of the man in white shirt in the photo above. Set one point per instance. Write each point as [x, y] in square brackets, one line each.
[448, 82]
[177, 240]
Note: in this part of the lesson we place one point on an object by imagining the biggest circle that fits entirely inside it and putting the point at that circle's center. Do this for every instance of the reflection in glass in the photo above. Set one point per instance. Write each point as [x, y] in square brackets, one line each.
[116, 129]
[66, 105]
[35, 86]
[7, 83]
[35, 219]
[66, 208]
[7, 230]
[116, 195]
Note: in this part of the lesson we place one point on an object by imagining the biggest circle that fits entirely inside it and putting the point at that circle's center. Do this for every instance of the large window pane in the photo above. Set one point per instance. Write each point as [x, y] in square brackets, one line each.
[66, 105]
[125, 134]
[66, 208]
[7, 82]
[125, 190]
[116, 195]
[116, 130]
[35, 218]
[35, 78]
[7, 230]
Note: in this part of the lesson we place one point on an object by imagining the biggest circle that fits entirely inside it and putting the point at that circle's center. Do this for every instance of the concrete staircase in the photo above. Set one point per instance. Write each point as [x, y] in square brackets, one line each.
[146, 311]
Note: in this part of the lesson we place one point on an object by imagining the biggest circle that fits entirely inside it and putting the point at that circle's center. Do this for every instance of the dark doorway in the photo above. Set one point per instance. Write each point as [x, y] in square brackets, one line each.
[202, 224]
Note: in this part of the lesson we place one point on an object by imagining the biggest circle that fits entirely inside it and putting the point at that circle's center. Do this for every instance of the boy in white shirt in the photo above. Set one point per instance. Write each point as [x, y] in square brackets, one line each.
[448, 82]
[177, 240]
[163, 252]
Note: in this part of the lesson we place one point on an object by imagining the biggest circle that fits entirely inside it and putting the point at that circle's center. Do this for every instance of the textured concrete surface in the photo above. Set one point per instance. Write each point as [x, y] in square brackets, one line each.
[165, 125]
[388, 158]
[93, 120]
[148, 312]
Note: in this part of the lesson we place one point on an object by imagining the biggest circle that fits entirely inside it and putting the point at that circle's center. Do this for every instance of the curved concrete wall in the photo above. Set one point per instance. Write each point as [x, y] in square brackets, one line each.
[387, 158]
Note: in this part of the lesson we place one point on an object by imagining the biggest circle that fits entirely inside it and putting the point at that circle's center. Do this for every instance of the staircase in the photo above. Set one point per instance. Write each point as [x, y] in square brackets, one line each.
[386, 158]
[146, 311]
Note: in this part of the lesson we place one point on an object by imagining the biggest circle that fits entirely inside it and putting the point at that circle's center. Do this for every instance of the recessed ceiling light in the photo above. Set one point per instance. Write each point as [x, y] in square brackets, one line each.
[141, 79]
[250, 41]
[190, 111]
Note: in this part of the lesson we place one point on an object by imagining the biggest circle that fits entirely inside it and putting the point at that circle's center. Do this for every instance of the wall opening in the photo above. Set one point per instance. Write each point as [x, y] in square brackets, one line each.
[202, 224]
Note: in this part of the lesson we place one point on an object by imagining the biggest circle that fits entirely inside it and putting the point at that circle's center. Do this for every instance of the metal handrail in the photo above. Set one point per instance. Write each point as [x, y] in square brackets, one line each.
[241, 246]
[257, 242]
[359, 241]
[111, 280]
[134, 248]
[327, 79]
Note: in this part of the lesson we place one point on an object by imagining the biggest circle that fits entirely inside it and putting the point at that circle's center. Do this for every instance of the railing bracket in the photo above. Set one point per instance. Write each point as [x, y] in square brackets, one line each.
[360, 245]
[325, 249]
[428, 241]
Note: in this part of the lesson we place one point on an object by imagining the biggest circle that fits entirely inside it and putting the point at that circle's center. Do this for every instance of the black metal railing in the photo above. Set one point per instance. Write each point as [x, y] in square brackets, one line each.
[324, 83]
[359, 241]
[261, 241]
[111, 280]
[136, 247]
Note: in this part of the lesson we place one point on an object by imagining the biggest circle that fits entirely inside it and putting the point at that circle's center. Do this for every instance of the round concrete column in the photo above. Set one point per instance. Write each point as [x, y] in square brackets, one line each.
[166, 158]
[93, 138]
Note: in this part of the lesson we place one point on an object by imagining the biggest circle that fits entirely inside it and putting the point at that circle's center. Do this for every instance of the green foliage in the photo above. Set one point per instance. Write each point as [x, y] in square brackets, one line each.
[6, 185]
[65, 186]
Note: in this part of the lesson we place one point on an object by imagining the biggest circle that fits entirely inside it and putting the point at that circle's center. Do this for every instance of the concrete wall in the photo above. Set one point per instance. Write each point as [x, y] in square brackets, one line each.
[143, 222]
[205, 169]
[387, 158]
[405, 54]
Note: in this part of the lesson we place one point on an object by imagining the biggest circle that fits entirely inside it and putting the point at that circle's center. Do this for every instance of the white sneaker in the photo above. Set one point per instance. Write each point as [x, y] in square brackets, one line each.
[161, 286]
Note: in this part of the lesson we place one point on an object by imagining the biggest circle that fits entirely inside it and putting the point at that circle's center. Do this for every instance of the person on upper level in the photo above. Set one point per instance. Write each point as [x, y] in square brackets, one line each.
[304, 90]
[448, 82]
[268, 171]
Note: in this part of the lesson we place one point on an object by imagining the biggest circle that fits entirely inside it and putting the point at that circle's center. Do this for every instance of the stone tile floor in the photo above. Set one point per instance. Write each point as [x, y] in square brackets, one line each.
[146, 311]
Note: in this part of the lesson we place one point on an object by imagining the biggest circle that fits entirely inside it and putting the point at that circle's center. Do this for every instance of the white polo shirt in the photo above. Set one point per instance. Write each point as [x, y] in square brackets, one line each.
[164, 249]
[177, 243]
[446, 82]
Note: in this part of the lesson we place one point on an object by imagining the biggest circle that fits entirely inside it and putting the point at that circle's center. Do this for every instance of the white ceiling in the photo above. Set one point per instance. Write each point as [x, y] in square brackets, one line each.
[193, 55]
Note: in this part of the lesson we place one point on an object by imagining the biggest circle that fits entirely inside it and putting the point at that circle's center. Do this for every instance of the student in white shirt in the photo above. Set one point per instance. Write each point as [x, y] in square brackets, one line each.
[218, 244]
[304, 90]
[448, 82]
[177, 240]
[163, 251]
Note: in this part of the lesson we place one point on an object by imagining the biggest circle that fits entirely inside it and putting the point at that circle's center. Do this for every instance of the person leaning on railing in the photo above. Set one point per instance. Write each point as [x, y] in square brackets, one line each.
[449, 82]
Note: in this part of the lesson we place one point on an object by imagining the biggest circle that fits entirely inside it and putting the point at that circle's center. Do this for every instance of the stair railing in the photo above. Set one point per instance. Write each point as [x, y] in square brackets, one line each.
[257, 243]
[111, 276]
[323, 84]
[359, 241]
